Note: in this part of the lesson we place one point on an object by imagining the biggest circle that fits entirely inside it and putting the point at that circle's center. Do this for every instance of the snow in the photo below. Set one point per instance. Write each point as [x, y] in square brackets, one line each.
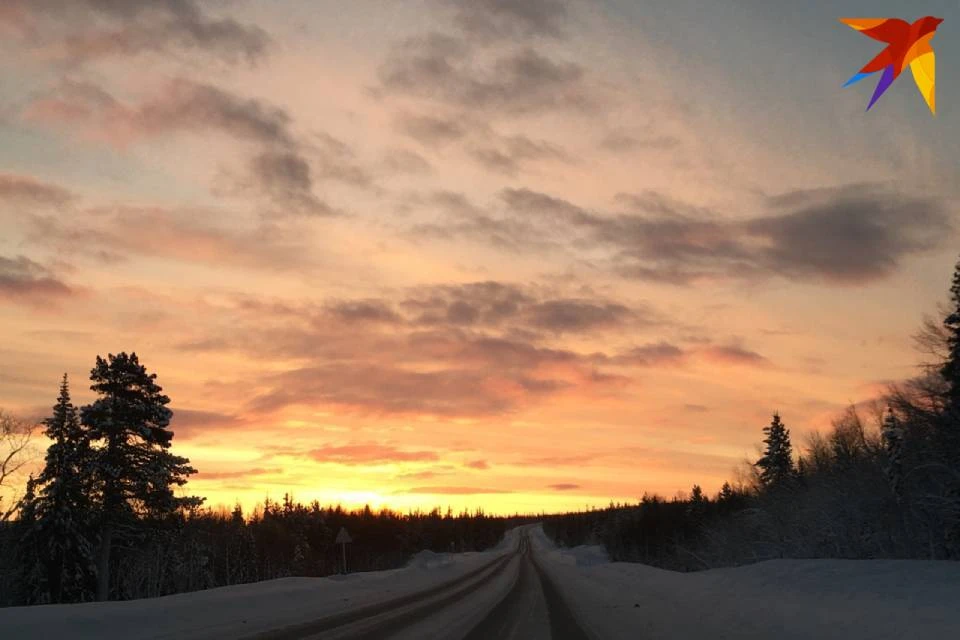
[782, 599]
[232, 612]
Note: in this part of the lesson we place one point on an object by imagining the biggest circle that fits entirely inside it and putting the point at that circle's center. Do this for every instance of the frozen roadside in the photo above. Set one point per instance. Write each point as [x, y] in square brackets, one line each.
[848, 599]
[241, 610]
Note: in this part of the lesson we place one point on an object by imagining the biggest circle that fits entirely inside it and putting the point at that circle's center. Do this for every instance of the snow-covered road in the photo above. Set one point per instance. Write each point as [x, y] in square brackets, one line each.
[527, 588]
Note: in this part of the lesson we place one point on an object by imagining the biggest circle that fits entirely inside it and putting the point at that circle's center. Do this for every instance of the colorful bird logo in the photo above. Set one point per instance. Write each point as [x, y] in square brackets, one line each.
[906, 44]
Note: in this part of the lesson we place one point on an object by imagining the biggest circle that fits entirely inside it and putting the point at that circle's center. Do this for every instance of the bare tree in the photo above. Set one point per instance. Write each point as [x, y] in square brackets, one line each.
[15, 452]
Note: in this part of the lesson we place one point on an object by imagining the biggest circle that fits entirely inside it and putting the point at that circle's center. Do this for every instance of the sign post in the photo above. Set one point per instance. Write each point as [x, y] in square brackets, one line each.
[343, 539]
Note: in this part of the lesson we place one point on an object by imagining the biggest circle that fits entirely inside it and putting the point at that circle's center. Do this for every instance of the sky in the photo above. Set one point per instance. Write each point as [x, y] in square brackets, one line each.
[524, 256]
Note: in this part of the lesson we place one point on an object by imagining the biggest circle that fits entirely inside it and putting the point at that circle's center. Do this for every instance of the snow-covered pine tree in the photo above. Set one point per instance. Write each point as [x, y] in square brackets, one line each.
[135, 470]
[950, 426]
[63, 505]
[892, 436]
[776, 465]
[30, 579]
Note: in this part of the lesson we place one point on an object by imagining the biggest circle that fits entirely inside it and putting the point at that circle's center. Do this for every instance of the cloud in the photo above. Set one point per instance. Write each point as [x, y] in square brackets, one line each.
[116, 233]
[847, 235]
[370, 310]
[578, 315]
[189, 423]
[405, 161]
[477, 464]
[385, 388]
[23, 280]
[282, 167]
[444, 69]
[27, 191]
[732, 354]
[181, 106]
[369, 453]
[286, 177]
[80, 30]
[452, 491]
[473, 349]
[620, 142]
[430, 130]
[495, 304]
[563, 486]
[495, 20]
[514, 153]
[655, 354]
[243, 473]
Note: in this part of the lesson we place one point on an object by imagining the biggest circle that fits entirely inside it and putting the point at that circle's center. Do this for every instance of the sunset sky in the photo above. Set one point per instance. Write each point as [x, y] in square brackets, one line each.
[521, 255]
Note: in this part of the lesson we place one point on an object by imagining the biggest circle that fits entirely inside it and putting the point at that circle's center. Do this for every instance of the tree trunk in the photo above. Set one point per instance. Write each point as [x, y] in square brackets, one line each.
[103, 563]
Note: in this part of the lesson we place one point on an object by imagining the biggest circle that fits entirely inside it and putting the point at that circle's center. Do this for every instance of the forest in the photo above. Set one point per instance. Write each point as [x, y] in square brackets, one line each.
[106, 517]
[883, 482]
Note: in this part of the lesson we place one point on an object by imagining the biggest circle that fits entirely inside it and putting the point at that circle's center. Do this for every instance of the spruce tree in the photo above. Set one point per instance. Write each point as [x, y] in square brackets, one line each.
[135, 470]
[776, 465]
[63, 505]
[949, 430]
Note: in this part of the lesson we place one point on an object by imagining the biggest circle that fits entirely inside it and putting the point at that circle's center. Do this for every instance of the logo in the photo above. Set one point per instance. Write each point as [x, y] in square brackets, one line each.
[907, 44]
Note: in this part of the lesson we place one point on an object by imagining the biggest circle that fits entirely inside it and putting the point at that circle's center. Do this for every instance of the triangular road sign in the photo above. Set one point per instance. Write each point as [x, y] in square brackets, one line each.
[343, 537]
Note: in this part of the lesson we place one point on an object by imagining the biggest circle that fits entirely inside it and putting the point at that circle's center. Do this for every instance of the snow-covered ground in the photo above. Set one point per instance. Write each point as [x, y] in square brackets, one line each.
[237, 611]
[784, 599]
[849, 599]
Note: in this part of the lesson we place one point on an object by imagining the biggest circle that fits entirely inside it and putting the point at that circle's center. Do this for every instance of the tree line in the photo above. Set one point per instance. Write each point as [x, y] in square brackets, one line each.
[105, 518]
[883, 482]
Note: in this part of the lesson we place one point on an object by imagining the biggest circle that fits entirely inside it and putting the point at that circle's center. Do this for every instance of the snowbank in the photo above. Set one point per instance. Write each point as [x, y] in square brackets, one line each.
[237, 611]
[781, 599]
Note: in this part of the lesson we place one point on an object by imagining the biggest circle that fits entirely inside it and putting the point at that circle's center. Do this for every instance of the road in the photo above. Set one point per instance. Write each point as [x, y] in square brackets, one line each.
[532, 610]
[509, 597]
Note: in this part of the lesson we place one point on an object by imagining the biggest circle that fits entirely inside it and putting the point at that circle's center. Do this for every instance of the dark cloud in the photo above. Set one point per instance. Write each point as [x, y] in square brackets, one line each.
[563, 486]
[80, 30]
[369, 453]
[404, 161]
[494, 20]
[26, 191]
[655, 354]
[444, 69]
[847, 235]
[514, 153]
[283, 167]
[474, 349]
[578, 315]
[386, 388]
[431, 130]
[23, 280]
[732, 354]
[371, 310]
[286, 177]
[189, 423]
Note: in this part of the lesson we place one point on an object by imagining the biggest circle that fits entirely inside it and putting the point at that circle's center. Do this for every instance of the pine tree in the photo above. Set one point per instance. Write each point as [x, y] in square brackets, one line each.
[134, 468]
[726, 493]
[950, 427]
[776, 465]
[30, 577]
[892, 437]
[63, 506]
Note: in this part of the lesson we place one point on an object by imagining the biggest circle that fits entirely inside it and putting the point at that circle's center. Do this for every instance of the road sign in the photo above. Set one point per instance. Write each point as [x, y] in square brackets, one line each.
[343, 538]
